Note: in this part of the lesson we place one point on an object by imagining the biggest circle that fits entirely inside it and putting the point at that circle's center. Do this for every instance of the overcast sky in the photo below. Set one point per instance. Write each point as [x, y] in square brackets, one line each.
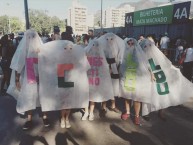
[56, 7]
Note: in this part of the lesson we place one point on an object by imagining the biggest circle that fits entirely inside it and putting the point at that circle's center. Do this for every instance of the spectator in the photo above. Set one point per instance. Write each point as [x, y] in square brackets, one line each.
[188, 63]
[7, 54]
[164, 43]
[91, 35]
[141, 37]
[56, 35]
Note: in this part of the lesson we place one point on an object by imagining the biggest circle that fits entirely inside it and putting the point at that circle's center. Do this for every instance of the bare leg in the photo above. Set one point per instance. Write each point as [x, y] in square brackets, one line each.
[126, 115]
[85, 116]
[91, 115]
[65, 118]
[92, 105]
[29, 116]
[113, 104]
[103, 110]
[67, 113]
[113, 107]
[45, 115]
[28, 123]
[127, 106]
[104, 105]
[137, 106]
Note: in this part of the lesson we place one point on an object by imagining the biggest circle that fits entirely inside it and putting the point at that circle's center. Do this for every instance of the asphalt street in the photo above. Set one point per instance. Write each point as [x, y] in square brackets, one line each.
[176, 130]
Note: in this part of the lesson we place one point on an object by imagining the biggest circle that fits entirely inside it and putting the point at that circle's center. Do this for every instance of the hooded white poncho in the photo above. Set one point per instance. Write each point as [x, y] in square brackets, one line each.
[25, 62]
[171, 88]
[100, 84]
[113, 47]
[63, 70]
[135, 78]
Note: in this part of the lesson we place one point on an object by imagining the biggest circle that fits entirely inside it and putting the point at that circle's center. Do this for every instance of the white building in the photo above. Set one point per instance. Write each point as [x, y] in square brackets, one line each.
[77, 18]
[115, 17]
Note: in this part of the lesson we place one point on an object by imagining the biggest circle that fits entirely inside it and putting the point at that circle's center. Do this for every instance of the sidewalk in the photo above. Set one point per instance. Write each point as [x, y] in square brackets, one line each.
[177, 130]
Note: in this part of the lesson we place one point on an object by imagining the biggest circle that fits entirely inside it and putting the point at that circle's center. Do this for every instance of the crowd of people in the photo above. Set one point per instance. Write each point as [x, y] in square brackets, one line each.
[133, 65]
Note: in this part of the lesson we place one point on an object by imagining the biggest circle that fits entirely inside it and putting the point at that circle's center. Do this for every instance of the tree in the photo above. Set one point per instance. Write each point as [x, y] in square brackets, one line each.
[4, 24]
[43, 23]
[16, 24]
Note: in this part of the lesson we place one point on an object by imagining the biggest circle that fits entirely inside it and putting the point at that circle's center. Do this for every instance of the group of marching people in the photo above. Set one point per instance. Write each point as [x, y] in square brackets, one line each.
[61, 75]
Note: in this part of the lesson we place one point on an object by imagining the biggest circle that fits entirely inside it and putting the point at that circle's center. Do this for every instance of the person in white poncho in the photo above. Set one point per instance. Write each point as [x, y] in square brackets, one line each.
[99, 78]
[134, 77]
[171, 88]
[24, 79]
[64, 84]
[113, 47]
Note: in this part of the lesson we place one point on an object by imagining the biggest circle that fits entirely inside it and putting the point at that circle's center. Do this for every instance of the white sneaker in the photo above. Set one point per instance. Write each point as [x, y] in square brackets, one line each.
[62, 123]
[91, 117]
[85, 116]
[68, 124]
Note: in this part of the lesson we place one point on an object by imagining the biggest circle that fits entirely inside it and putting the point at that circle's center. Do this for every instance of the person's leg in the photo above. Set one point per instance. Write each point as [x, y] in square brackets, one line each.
[104, 105]
[113, 104]
[103, 110]
[85, 116]
[137, 106]
[113, 107]
[126, 115]
[67, 122]
[62, 121]
[28, 123]
[91, 113]
[45, 119]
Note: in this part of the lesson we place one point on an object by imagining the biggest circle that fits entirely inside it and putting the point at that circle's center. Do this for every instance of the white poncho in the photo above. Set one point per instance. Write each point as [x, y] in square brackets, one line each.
[63, 70]
[171, 87]
[113, 47]
[25, 62]
[100, 84]
[135, 78]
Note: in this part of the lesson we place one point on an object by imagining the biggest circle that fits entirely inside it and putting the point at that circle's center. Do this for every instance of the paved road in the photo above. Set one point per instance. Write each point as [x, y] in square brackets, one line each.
[177, 130]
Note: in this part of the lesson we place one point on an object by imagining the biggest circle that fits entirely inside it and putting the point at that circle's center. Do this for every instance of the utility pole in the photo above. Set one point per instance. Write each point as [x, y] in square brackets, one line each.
[101, 16]
[26, 14]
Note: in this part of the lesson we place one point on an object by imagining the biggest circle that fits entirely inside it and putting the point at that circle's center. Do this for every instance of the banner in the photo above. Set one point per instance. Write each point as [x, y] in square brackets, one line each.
[177, 13]
[160, 15]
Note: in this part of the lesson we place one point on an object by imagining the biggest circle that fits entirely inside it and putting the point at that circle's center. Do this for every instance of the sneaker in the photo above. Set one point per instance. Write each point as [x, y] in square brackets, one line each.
[103, 113]
[68, 124]
[137, 120]
[115, 109]
[125, 116]
[85, 116]
[62, 123]
[46, 122]
[27, 125]
[91, 117]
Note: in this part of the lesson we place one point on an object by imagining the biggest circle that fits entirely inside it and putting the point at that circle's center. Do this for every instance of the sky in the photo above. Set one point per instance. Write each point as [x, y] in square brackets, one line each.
[57, 7]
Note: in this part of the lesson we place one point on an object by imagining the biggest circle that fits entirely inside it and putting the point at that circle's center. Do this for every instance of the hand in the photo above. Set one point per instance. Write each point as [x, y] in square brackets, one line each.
[18, 85]
[153, 79]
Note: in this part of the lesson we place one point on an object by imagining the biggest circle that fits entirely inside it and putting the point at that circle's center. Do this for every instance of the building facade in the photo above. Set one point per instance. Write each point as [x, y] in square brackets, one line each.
[77, 18]
[115, 17]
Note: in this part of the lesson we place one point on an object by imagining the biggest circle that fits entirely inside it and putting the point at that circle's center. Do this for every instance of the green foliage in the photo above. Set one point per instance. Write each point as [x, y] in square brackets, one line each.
[43, 23]
[16, 24]
[39, 20]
